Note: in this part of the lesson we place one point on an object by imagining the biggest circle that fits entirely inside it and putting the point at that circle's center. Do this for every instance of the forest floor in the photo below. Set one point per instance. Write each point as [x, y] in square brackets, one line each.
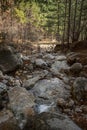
[43, 68]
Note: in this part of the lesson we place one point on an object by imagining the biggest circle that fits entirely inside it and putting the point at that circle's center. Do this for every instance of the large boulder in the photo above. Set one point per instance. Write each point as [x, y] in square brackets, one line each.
[9, 59]
[48, 57]
[80, 88]
[51, 121]
[76, 68]
[21, 103]
[71, 58]
[61, 57]
[80, 57]
[59, 66]
[51, 89]
[79, 45]
[40, 63]
[29, 83]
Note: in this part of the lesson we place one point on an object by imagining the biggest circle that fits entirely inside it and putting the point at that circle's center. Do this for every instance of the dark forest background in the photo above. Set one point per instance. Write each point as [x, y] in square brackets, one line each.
[63, 21]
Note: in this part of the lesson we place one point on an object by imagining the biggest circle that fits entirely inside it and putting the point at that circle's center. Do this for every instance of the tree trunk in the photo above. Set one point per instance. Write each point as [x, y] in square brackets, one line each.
[64, 23]
[57, 20]
[74, 24]
[79, 22]
[69, 21]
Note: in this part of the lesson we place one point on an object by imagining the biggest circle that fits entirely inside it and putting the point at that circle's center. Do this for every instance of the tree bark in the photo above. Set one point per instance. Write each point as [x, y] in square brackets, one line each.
[64, 23]
[74, 24]
[57, 21]
[79, 22]
[69, 21]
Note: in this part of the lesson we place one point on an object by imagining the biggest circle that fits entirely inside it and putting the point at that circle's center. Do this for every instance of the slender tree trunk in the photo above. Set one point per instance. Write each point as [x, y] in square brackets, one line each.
[57, 20]
[74, 24]
[79, 22]
[69, 21]
[64, 23]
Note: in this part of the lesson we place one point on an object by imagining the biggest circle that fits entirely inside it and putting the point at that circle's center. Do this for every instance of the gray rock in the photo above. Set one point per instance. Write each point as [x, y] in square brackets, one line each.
[25, 58]
[44, 108]
[9, 59]
[28, 84]
[3, 88]
[21, 103]
[50, 89]
[59, 66]
[61, 58]
[80, 88]
[76, 68]
[51, 121]
[49, 56]
[40, 63]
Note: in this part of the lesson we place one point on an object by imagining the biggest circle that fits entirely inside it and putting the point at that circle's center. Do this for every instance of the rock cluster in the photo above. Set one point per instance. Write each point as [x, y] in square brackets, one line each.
[36, 96]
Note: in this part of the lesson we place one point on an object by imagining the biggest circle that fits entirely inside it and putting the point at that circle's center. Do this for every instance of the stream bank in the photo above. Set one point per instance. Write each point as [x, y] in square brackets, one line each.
[46, 87]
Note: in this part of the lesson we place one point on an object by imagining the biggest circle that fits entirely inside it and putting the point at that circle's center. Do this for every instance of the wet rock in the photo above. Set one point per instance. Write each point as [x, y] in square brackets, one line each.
[7, 121]
[40, 63]
[21, 103]
[80, 88]
[76, 68]
[51, 121]
[50, 89]
[9, 59]
[44, 108]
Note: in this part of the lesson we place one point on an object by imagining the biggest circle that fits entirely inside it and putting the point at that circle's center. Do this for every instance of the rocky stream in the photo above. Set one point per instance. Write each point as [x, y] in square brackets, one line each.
[41, 89]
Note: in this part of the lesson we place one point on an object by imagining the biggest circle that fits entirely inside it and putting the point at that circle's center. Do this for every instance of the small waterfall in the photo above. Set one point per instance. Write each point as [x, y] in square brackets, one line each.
[43, 108]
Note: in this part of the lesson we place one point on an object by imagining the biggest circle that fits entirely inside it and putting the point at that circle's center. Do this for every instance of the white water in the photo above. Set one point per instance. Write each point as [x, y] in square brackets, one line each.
[44, 108]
